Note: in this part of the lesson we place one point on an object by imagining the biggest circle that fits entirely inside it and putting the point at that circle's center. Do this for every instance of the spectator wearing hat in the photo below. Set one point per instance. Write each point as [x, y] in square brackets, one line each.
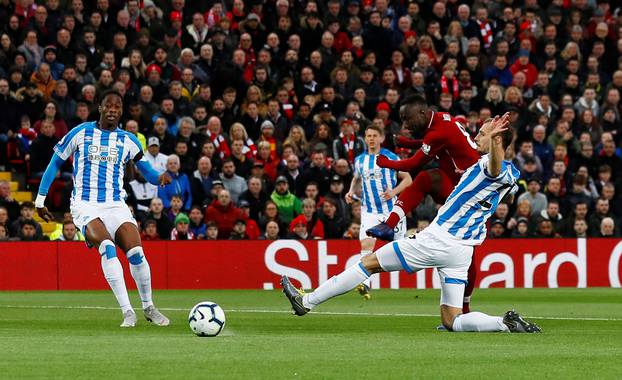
[521, 230]
[182, 229]
[336, 192]
[153, 155]
[239, 230]
[298, 229]
[267, 135]
[536, 199]
[383, 112]
[288, 204]
[49, 57]
[522, 64]
[310, 218]
[168, 71]
[497, 229]
[348, 145]
[252, 228]
[367, 79]
[224, 213]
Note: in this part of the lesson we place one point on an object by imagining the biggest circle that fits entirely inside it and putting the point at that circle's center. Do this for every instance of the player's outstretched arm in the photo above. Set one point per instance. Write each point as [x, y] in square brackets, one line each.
[405, 142]
[499, 125]
[417, 161]
[150, 174]
[44, 186]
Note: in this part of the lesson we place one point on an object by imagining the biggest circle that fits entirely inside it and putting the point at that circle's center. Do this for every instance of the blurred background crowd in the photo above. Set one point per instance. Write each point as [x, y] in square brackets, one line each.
[257, 107]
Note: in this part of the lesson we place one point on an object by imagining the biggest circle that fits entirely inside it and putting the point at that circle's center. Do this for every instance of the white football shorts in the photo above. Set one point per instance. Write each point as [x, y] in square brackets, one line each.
[368, 220]
[428, 250]
[112, 214]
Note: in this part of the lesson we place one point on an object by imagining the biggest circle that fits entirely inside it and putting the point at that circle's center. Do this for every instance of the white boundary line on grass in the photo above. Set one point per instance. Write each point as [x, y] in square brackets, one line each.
[263, 311]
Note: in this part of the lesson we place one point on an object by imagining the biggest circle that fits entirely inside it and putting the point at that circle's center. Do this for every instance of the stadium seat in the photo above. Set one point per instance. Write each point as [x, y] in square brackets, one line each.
[23, 196]
[47, 228]
[5, 176]
[14, 186]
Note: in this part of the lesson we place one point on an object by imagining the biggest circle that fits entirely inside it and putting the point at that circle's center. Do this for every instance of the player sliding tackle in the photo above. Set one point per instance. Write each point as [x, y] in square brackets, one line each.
[447, 244]
[100, 152]
[445, 139]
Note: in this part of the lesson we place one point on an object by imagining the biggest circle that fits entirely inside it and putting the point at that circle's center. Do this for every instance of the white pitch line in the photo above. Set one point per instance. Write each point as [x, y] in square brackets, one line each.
[264, 311]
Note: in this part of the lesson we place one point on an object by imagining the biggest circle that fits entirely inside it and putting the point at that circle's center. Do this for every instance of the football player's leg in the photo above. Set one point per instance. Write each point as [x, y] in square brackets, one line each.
[442, 186]
[367, 247]
[410, 198]
[352, 276]
[97, 234]
[468, 291]
[452, 293]
[129, 241]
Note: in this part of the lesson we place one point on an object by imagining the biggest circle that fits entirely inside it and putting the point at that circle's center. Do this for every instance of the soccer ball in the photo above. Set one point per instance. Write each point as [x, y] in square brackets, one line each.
[206, 319]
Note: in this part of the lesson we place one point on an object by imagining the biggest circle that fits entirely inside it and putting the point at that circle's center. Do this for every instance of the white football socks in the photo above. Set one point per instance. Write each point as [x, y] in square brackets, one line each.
[365, 253]
[336, 285]
[113, 272]
[479, 322]
[139, 267]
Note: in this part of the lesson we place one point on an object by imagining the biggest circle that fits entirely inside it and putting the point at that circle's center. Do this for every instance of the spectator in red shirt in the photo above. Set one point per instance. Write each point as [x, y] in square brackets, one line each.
[224, 213]
[523, 64]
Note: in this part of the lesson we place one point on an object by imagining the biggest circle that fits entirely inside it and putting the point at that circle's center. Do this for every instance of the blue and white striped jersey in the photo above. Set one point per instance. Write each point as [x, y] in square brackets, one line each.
[375, 180]
[99, 159]
[474, 200]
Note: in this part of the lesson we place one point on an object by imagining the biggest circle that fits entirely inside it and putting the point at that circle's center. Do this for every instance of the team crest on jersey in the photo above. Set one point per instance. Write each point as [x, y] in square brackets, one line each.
[425, 148]
[446, 117]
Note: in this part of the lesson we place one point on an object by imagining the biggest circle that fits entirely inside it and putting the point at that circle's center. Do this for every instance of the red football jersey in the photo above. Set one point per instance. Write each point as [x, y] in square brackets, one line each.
[447, 140]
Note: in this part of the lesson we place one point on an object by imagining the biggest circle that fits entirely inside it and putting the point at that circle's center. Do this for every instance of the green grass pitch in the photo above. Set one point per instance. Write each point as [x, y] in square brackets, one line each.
[76, 335]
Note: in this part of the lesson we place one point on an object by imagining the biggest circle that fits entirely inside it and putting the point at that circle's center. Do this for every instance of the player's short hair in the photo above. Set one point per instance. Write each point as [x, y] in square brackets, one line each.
[111, 93]
[375, 128]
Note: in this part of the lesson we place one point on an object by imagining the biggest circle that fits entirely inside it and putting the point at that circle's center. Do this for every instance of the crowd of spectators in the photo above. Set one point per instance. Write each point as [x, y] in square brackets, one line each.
[257, 107]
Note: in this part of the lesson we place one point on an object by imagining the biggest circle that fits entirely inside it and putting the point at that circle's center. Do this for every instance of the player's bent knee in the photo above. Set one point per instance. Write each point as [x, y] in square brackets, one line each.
[448, 315]
[371, 264]
[135, 256]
